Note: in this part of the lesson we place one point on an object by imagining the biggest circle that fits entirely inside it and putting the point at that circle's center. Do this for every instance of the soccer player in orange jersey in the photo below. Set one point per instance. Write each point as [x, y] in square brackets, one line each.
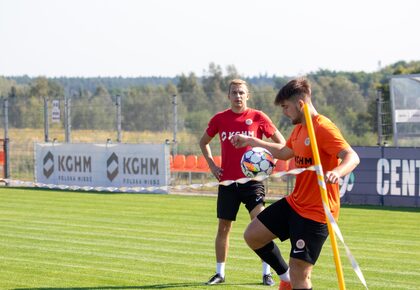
[300, 216]
[238, 119]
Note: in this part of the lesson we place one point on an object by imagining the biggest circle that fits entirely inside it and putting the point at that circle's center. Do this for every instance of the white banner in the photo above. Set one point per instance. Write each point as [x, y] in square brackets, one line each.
[407, 116]
[107, 165]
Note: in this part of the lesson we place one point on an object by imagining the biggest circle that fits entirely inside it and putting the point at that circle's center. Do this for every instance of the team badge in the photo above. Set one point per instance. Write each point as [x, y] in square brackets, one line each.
[300, 244]
[248, 122]
[307, 141]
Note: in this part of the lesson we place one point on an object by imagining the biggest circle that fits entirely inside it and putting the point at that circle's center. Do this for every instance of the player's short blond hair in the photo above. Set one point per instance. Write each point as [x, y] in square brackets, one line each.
[236, 82]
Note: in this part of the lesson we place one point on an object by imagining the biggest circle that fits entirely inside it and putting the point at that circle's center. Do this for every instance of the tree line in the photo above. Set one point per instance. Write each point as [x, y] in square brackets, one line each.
[348, 98]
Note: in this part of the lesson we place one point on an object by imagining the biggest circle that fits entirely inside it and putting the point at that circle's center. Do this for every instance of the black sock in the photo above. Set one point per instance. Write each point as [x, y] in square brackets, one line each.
[270, 254]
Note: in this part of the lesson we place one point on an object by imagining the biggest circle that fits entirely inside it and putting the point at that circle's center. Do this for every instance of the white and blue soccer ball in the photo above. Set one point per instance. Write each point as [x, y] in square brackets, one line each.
[257, 162]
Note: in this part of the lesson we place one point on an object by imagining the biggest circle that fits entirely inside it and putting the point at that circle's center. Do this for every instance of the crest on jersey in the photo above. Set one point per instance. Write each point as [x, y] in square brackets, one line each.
[307, 141]
[248, 122]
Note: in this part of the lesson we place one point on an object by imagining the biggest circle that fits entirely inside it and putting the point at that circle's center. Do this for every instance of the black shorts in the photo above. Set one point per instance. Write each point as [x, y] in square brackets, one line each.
[306, 236]
[230, 197]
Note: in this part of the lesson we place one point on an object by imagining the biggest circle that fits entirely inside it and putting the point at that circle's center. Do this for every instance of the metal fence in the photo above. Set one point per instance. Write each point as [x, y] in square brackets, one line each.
[114, 119]
[74, 120]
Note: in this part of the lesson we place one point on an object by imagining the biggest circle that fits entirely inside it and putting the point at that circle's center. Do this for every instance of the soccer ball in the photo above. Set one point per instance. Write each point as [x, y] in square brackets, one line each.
[256, 162]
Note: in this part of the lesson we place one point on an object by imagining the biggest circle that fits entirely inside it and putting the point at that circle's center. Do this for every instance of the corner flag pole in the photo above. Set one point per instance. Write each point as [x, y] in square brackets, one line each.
[324, 195]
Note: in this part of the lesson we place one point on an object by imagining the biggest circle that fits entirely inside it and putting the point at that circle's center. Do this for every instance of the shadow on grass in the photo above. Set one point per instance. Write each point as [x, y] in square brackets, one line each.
[153, 286]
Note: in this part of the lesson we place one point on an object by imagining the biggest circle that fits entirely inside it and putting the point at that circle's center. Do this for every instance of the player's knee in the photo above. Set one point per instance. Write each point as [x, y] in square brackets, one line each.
[224, 228]
[300, 273]
[249, 238]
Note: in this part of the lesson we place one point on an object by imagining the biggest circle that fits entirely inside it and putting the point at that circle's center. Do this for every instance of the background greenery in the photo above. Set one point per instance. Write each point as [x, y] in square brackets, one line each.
[348, 98]
[74, 240]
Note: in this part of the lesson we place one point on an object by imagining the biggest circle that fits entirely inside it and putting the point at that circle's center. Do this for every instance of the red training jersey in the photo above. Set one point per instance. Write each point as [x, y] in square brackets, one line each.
[228, 123]
[306, 197]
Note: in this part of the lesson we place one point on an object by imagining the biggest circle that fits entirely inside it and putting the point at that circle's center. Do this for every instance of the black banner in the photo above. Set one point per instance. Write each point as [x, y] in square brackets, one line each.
[387, 176]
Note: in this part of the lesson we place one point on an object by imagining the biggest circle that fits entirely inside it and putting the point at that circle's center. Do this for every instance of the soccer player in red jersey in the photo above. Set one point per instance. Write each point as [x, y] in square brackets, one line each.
[238, 119]
[300, 216]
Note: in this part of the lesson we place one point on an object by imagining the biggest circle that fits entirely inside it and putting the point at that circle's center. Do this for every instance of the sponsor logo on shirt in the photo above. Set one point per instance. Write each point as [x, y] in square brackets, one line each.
[302, 161]
[227, 135]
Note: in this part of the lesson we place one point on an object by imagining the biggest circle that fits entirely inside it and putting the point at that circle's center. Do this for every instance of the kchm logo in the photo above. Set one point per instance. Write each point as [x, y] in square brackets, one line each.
[48, 164]
[112, 166]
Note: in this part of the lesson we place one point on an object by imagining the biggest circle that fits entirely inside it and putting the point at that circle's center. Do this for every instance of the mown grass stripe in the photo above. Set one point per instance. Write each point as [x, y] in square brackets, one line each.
[75, 239]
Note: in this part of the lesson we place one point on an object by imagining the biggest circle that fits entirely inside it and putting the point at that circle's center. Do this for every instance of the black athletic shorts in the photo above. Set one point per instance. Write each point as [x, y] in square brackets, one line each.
[306, 236]
[229, 198]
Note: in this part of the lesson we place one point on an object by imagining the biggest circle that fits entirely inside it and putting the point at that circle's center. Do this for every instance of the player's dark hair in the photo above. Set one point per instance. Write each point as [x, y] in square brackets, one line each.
[299, 87]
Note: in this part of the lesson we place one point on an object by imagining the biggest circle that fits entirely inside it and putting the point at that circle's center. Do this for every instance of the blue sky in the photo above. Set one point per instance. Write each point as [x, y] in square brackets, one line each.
[167, 37]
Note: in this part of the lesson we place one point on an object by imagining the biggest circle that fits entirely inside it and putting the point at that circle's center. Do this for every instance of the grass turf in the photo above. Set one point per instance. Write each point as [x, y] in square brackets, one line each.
[78, 240]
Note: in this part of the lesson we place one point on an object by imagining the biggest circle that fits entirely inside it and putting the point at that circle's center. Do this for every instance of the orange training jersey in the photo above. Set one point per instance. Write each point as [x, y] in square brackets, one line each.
[306, 197]
[227, 123]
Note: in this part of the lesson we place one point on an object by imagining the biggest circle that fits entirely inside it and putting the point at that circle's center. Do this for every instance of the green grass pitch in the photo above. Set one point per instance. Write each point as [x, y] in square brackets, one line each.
[78, 240]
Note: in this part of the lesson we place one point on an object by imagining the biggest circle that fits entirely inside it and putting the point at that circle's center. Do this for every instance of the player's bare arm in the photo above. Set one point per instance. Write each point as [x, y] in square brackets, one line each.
[279, 150]
[349, 161]
[205, 149]
[278, 138]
